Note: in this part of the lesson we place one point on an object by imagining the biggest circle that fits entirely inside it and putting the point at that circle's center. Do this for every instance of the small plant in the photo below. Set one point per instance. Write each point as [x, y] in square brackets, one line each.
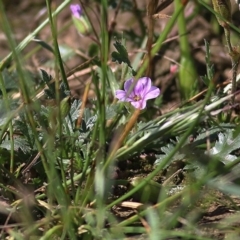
[103, 162]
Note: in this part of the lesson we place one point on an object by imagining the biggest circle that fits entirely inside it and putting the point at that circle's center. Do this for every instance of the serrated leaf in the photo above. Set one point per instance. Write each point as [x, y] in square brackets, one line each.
[19, 143]
[167, 150]
[225, 145]
[22, 126]
[74, 111]
[45, 76]
[91, 121]
[121, 56]
[211, 134]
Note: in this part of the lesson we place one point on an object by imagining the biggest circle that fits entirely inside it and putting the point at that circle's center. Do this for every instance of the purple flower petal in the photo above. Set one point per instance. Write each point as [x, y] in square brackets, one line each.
[128, 84]
[139, 104]
[153, 93]
[121, 95]
[76, 10]
[142, 86]
[144, 103]
[142, 91]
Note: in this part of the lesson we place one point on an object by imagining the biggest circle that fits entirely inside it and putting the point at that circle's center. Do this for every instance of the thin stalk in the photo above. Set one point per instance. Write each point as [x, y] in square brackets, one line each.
[100, 181]
[83, 105]
[187, 78]
[59, 65]
[60, 194]
[139, 17]
[228, 39]
[120, 140]
[91, 23]
[7, 104]
[235, 63]
[104, 58]
[151, 8]
[56, 47]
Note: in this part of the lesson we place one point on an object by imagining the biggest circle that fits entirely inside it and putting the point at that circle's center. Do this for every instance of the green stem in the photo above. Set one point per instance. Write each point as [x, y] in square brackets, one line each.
[100, 181]
[104, 58]
[139, 17]
[187, 74]
[227, 36]
[7, 104]
[56, 47]
[57, 84]
[235, 63]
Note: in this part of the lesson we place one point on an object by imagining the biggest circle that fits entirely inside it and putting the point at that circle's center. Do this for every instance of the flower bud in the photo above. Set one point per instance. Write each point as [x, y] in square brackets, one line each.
[65, 106]
[80, 21]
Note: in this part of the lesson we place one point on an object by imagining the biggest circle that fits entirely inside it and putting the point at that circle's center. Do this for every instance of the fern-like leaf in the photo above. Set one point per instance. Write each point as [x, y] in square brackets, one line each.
[225, 145]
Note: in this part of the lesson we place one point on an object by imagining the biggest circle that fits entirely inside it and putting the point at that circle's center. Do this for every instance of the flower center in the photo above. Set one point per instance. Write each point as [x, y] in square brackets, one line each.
[136, 98]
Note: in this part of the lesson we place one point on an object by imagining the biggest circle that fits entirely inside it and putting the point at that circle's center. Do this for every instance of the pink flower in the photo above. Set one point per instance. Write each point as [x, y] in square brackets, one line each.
[141, 92]
[76, 10]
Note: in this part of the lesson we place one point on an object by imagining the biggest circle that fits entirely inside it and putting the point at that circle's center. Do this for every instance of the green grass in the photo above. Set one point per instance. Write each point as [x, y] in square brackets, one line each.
[58, 153]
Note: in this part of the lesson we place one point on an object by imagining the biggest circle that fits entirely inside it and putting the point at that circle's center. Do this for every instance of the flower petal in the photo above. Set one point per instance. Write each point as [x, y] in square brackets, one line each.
[128, 84]
[143, 85]
[152, 93]
[76, 10]
[139, 104]
[121, 95]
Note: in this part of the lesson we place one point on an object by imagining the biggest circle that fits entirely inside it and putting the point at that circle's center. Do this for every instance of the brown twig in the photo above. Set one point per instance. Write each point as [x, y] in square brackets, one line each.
[84, 100]
[151, 9]
[118, 140]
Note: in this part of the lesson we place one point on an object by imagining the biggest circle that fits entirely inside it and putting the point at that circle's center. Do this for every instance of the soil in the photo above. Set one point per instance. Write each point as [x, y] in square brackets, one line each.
[25, 15]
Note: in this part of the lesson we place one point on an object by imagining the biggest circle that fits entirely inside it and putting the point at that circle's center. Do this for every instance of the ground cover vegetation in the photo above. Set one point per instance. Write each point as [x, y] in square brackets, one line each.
[119, 119]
